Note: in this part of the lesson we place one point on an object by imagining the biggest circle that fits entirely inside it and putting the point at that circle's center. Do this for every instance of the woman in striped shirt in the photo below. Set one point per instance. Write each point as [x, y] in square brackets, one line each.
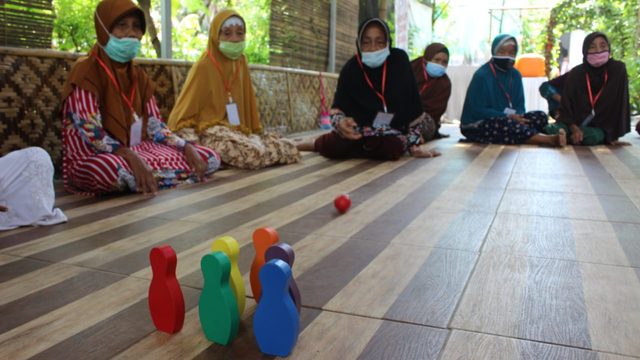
[113, 136]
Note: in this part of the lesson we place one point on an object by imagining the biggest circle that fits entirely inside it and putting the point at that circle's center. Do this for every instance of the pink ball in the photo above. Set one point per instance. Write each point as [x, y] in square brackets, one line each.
[342, 203]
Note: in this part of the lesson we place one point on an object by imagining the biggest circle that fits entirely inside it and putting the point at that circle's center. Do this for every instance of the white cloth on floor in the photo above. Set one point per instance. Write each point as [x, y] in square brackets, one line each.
[26, 188]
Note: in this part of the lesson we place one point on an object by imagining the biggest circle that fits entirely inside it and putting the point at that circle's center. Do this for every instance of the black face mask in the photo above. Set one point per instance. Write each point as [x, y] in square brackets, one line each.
[504, 63]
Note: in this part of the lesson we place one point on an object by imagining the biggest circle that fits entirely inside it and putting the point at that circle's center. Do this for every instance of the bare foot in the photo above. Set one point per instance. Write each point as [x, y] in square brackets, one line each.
[306, 144]
[442, 136]
[620, 143]
[419, 153]
[562, 138]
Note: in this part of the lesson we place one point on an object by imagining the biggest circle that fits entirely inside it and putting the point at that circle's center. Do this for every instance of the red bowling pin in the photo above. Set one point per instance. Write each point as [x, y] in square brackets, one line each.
[166, 302]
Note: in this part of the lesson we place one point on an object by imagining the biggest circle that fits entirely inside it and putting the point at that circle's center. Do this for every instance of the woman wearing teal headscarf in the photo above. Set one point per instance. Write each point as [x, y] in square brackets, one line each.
[494, 109]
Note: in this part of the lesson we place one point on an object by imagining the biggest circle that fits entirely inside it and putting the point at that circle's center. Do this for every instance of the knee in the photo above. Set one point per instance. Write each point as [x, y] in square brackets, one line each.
[393, 148]
[332, 146]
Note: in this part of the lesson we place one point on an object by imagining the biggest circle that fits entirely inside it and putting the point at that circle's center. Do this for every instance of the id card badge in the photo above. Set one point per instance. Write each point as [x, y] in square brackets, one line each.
[383, 119]
[136, 132]
[232, 114]
[509, 111]
[588, 119]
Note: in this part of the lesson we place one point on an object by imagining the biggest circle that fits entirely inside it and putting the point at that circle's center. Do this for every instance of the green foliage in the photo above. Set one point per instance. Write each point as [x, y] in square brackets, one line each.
[620, 20]
[73, 29]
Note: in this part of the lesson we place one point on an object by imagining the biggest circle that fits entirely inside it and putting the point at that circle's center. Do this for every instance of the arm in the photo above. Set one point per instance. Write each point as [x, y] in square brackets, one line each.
[81, 112]
[518, 100]
[160, 133]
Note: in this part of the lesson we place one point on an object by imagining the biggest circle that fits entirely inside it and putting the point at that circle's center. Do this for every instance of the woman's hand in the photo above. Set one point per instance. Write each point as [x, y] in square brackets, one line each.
[519, 118]
[145, 181]
[346, 127]
[195, 161]
[3, 208]
[576, 135]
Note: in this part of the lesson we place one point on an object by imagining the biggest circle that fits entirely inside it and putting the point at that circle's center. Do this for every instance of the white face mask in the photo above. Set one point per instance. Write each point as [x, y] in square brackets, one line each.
[376, 58]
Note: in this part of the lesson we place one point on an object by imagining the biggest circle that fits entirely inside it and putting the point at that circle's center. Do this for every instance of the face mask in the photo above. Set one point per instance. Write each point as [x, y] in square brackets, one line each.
[232, 50]
[120, 50]
[435, 70]
[598, 59]
[376, 58]
[504, 63]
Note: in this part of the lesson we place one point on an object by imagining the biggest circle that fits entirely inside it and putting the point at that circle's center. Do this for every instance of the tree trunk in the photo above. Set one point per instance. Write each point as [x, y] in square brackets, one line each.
[382, 11]
[145, 5]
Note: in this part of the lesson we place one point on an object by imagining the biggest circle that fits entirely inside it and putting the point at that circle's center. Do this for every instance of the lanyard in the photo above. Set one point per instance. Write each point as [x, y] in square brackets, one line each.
[384, 80]
[593, 101]
[227, 86]
[113, 79]
[426, 77]
[502, 87]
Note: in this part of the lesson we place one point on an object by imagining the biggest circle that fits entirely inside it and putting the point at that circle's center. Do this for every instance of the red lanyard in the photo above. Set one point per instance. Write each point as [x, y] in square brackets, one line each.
[593, 101]
[384, 80]
[113, 79]
[227, 86]
[426, 77]
[502, 87]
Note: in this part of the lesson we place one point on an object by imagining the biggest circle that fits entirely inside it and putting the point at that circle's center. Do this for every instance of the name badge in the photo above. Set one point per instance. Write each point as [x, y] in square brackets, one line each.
[232, 114]
[136, 132]
[589, 118]
[509, 111]
[383, 119]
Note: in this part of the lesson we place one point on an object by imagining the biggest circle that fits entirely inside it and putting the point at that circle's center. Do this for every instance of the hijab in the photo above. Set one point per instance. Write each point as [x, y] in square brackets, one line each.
[436, 95]
[88, 74]
[612, 111]
[358, 100]
[202, 102]
[486, 96]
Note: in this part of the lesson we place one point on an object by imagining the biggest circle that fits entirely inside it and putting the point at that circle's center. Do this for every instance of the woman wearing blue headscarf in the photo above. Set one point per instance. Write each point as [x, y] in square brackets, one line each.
[494, 110]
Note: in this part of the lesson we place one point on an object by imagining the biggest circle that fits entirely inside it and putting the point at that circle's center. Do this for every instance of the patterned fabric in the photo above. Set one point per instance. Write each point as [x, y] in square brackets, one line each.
[504, 130]
[89, 162]
[410, 140]
[26, 188]
[247, 152]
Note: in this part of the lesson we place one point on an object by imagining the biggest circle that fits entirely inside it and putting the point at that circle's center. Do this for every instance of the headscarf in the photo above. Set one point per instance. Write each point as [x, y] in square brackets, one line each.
[89, 75]
[202, 102]
[436, 96]
[612, 112]
[485, 97]
[358, 100]
[502, 40]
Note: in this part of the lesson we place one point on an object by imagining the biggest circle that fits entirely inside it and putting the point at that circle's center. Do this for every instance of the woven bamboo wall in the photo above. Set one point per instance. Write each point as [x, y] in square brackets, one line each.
[299, 33]
[26, 23]
[31, 82]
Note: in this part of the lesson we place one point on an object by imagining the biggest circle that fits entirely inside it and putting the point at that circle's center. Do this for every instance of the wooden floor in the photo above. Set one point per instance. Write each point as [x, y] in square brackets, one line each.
[488, 252]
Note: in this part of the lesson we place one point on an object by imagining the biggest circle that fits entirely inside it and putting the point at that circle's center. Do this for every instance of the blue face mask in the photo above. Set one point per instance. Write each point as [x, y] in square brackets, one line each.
[376, 58]
[435, 70]
[120, 50]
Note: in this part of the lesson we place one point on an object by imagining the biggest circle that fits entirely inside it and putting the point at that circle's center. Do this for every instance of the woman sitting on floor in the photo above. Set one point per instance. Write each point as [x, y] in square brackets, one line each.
[217, 105]
[435, 87]
[494, 110]
[595, 103]
[113, 137]
[26, 190]
[552, 91]
[376, 111]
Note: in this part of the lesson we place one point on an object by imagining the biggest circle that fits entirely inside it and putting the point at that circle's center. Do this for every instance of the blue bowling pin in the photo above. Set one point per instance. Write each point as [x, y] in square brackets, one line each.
[276, 322]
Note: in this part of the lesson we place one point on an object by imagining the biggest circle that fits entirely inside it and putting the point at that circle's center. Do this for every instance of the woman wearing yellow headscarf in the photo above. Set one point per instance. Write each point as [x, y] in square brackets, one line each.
[217, 104]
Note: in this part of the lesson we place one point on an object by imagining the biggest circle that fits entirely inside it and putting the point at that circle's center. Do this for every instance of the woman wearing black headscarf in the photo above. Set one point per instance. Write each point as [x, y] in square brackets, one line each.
[376, 111]
[595, 103]
[434, 86]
